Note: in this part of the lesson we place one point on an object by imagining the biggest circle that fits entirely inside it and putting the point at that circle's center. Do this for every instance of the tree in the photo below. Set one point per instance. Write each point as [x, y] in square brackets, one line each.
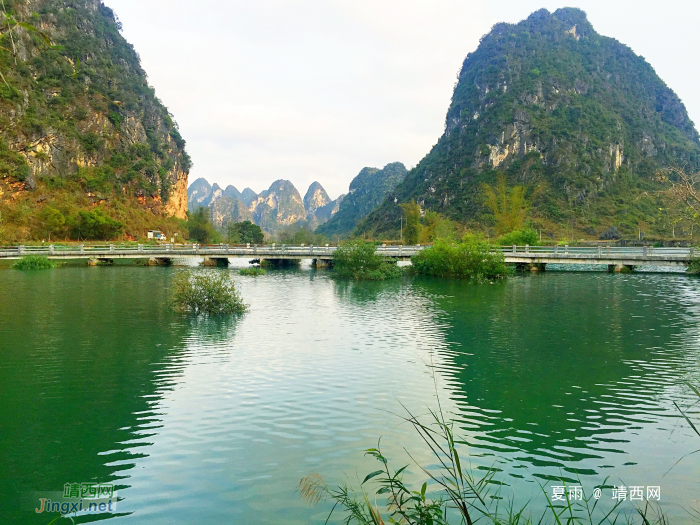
[52, 220]
[200, 228]
[244, 232]
[509, 207]
[95, 225]
[411, 212]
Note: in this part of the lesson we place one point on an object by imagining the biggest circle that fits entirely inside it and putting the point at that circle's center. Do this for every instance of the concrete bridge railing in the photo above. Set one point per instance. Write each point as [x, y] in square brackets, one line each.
[513, 254]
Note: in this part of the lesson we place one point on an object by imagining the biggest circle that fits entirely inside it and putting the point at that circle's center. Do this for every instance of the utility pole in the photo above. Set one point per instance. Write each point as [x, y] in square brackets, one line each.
[401, 219]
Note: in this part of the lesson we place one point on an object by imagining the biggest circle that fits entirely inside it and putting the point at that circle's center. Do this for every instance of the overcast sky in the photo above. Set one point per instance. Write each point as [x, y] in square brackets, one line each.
[310, 90]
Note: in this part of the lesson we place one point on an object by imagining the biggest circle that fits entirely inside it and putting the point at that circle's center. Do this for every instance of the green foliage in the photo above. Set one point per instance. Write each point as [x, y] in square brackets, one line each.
[358, 260]
[200, 228]
[435, 226]
[412, 227]
[244, 232]
[12, 164]
[509, 207]
[34, 262]
[252, 271]
[473, 258]
[524, 237]
[694, 266]
[52, 220]
[95, 225]
[209, 292]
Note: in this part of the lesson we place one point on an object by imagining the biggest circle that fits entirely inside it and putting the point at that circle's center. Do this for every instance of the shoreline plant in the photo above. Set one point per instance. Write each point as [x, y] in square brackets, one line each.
[208, 292]
[253, 271]
[358, 260]
[472, 258]
[458, 496]
[34, 262]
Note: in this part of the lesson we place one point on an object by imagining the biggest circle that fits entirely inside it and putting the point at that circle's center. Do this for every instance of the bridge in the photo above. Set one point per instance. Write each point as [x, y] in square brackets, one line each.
[527, 257]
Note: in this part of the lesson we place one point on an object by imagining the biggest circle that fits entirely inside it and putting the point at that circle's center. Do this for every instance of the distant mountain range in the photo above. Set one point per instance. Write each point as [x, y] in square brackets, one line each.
[281, 204]
[277, 207]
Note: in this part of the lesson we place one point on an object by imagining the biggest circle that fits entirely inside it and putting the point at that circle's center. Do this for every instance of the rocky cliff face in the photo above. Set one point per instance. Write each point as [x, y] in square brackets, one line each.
[84, 112]
[277, 207]
[228, 209]
[550, 103]
[315, 199]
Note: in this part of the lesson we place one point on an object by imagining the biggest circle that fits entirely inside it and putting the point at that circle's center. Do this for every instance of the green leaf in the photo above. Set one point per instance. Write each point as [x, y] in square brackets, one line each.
[373, 474]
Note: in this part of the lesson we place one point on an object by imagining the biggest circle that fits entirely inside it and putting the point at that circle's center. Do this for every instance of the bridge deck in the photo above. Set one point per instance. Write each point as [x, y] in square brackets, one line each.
[513, 254]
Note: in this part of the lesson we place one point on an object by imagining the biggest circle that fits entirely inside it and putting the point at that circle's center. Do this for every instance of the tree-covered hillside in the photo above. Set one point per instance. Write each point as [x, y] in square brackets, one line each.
[80, 128]
[366, 192]
[576, 117]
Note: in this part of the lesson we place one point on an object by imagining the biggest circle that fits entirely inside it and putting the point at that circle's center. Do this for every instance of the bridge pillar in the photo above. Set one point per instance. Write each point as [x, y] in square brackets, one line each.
[322, 263]
[217, 262]
[160, 261]
[620, 268]
[100, 261]
[531, 267]
[280, 263]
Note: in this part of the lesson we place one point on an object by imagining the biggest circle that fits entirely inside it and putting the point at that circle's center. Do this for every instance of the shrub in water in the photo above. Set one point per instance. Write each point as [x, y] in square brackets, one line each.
[210, 292]
[473, 258]
[359, 260]
[34, 262]
[253, 270]
[694, 266]
[528, 236]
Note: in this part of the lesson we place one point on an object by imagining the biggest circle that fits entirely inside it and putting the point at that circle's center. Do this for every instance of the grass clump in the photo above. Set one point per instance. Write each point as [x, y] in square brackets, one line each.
[358, 260]
[252, 271]
[472, 258]
[34, 262]
[208, 292]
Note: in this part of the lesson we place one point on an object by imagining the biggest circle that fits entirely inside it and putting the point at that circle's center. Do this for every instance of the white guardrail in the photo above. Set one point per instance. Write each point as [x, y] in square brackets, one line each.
[175, 250]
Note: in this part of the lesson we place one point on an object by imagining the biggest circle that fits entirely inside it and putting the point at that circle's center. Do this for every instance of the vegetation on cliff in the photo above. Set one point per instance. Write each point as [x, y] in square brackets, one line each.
[548, 103]
[366, 192]
[80, 126]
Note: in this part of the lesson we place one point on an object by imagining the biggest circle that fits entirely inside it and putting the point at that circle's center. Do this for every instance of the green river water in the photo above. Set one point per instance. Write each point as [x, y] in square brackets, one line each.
[200, 421]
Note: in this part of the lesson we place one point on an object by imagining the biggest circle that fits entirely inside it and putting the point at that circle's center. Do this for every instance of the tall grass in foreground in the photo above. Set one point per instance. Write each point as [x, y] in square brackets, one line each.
[462, 497]
[34, 262]
[210, 292]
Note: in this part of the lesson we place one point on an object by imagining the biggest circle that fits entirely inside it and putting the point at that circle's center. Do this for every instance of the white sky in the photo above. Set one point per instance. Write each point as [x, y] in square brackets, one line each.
[310, 90]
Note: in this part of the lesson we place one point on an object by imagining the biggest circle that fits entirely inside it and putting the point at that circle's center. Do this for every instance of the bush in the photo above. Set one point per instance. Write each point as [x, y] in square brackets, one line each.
[209, 292]
[528, 236]
[611, 234]
[34, 262]
[95, 225]
[252, 271]
[694, 267]
[470, 259]
[358, 260]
